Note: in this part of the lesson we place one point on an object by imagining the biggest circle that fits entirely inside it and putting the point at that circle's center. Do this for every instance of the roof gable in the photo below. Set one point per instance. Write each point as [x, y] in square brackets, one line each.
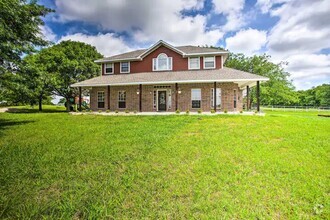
[157, 45]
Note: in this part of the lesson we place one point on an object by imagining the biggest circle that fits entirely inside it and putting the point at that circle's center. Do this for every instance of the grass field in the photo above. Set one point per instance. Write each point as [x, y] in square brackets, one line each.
[56, 165]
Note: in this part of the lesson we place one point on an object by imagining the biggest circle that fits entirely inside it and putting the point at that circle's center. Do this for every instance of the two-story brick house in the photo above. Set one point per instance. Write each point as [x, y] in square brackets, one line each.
[168, 78]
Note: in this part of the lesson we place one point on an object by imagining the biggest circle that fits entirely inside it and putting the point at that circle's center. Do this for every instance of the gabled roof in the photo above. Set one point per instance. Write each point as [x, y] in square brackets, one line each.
[190, 76]
[185, 51]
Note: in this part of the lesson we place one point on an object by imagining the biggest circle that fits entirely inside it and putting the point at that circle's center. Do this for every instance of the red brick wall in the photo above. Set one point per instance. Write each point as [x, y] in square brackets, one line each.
[179, 63]
[184, 99]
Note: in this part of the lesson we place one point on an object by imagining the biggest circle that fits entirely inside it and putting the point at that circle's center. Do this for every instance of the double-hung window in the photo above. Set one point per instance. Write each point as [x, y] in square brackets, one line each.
[108, 68]
[122, 99]
[218, 97]
[162, 62]
[100, 99]
[209, 62]
[124, 67]
[196, 96]
[194, 63]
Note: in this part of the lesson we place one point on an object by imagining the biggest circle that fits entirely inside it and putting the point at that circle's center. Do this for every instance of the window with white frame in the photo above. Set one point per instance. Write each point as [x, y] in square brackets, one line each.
[162, 62]
[124, 67]
[122, 99]
[100, 99]
[196, 96]
[218, 97]
[209, 62]
[108, 68]
[194, 63]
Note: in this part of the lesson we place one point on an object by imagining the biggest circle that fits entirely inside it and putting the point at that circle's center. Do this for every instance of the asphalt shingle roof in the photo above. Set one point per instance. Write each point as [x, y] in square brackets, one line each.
[215, 75]
[185, 49]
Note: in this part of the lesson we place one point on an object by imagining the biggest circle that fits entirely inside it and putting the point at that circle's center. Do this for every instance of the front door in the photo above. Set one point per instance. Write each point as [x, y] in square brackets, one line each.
[161, 100]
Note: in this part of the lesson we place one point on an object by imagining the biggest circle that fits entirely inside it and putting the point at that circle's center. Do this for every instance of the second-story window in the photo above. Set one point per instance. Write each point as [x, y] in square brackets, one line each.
[124, 67]
[108, 68]
[162, 62]
[209, 62]
[194, 63]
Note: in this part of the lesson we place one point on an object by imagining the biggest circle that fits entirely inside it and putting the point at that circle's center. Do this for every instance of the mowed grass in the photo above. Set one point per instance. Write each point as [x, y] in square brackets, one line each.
[56, 165]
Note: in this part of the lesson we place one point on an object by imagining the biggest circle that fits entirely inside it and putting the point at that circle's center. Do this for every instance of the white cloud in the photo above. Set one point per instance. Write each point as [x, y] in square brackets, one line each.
[266, 5]
[106, 44]
[300, 34]
[248, 41]
[47, 33]
[147, 21]
[233, 12]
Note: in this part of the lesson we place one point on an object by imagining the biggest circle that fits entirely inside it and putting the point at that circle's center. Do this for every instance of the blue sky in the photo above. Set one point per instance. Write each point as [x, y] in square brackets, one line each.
[296, 31]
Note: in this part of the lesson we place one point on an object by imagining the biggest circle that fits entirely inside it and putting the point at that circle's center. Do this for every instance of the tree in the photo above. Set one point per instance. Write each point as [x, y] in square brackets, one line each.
[67, 63]
[20, 34]
[278, 90]
[316, 96]
[34, 80]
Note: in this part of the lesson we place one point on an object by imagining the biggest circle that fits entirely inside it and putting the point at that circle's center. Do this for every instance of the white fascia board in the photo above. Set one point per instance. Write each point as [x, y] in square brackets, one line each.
[156, 45]
[204, 54]
[117, 60]
[171, 82]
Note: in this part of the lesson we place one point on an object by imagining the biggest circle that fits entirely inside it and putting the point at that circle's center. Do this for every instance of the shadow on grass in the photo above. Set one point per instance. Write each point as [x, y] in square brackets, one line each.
[5, 124]
[28, 111]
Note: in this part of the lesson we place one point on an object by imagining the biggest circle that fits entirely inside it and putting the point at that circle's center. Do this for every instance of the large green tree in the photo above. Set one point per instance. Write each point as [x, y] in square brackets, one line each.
[20, 34]
[278, 90]
[67, 63]
[316, 96]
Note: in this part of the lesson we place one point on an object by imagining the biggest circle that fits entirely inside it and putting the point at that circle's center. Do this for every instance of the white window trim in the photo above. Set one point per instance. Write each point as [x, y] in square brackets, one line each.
[199, 63]
[221, 62]
[195, 99]
[129, 67]
[105, 69]
[156, 60]
[209, 67]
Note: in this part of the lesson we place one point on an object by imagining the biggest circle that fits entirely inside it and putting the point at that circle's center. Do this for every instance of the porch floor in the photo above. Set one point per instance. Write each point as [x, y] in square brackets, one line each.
[164, 113]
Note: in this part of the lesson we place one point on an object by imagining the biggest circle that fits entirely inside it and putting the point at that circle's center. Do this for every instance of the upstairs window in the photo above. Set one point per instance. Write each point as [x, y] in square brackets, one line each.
[194, 63]
[196, 97]
[124, 67]
[162, 62]
[108, 68]
[209, 62]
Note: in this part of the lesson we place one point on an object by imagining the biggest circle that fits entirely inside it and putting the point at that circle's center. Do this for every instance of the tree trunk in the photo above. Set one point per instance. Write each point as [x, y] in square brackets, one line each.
[40, 103]
[68, 104]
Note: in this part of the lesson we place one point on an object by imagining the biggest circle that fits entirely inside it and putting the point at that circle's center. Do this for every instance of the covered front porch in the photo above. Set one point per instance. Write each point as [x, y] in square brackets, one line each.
[218, 90]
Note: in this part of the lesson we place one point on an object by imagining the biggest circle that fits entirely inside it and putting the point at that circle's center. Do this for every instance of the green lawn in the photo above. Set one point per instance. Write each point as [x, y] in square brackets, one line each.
[56, 165]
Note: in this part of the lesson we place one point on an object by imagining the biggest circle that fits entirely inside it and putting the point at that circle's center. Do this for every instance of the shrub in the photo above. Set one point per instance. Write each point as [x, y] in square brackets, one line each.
[256, 112]
[84, 111]
[90, 110]
[177, 111]
[187, 112]
[225, 111]
[116, 111]
[107, 111]
[199, 111]
[126, 111]
[135, 111]
[241, 111]
[212, 111]
[100, 111]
